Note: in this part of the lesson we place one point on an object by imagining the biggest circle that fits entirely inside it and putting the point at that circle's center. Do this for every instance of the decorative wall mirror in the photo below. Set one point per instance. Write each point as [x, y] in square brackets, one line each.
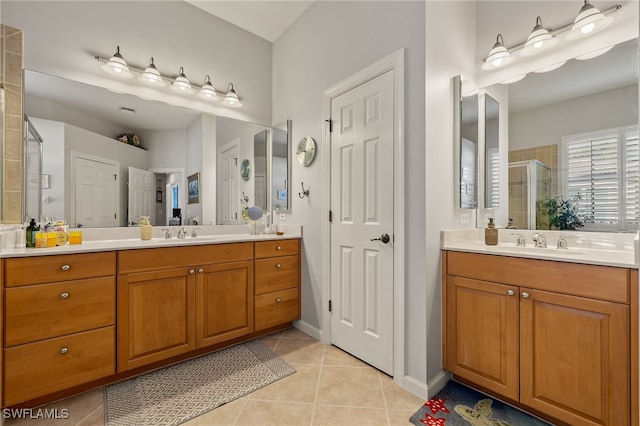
[306, 151]
[245, 169]
[466, 146]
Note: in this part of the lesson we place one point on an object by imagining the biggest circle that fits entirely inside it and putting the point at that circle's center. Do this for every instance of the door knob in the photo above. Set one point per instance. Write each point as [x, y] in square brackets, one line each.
[384, 238]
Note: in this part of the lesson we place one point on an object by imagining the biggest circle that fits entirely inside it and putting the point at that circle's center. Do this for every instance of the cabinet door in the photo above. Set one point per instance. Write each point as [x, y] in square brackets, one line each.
[156, 316]
[224, 302]
[574, 361]
[482, 334]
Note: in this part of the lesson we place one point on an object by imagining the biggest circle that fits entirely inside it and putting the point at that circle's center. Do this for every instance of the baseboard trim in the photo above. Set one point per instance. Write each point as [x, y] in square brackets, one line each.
[416, 387]
[309, 329]
[436, 384]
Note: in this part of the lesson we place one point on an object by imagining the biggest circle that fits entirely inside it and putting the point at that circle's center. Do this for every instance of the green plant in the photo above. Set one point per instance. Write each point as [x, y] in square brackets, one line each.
[563, 214]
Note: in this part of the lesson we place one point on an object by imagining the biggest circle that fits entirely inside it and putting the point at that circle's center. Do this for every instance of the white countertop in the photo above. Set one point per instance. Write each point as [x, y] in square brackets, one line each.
[108, 239]
[593, 248]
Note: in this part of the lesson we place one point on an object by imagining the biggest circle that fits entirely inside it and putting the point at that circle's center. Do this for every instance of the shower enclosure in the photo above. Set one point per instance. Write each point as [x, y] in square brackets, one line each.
[32, 197]
[529, 181]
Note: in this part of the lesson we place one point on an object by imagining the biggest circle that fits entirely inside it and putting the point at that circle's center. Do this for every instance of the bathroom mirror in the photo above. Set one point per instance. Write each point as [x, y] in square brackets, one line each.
[281, 167]
[491, 153]
[176, 142]
[466, 146]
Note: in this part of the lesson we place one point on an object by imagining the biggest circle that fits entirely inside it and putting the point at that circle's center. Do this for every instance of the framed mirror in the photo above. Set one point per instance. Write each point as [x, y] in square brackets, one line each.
[465, 146]
[245, 169]
[491, 153]
[281, 167]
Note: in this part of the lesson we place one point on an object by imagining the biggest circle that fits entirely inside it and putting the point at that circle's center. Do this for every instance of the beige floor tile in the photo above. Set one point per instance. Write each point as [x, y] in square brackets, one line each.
[94, 419]
[347, 416]
[300, 351]
[266, 413]
[76, 408]
[337, 357]
[400, 417]
[347, 386]
[294, 333]
[299, 387]
[224, 415]
[398, 398]
[270, 342]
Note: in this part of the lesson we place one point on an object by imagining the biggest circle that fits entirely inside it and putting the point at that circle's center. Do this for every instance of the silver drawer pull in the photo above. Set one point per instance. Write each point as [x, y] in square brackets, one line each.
[200, 270]
[510, 293]
[66, 267]
[64, 295]
[278, 300]
[192, 271]
[279, 248]
[64, 350]
[525, 295]
[278, 265]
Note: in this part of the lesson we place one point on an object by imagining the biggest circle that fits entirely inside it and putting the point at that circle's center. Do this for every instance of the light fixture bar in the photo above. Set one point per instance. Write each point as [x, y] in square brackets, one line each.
[170, 80]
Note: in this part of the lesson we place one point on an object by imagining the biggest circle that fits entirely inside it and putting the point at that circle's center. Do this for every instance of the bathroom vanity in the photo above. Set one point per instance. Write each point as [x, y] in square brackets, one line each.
[95, 315]
[557, 337]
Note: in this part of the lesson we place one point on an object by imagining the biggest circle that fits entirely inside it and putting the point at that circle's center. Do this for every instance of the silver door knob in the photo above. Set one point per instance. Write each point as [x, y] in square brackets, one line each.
[64, 295]
[510, 293]
[65, 267]
[525, 295]
[200, 271]
[384, 238]
[64, 351]
[192, 271]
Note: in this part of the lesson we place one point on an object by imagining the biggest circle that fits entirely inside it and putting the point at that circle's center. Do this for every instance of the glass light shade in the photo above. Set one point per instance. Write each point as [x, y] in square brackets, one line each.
[231, 97]
[208, 91]
[594, 54]
[117, 66]
[152, 76]
[498, 56]
[589, 21]
[181, 83]
[550, 67]
[538, 41]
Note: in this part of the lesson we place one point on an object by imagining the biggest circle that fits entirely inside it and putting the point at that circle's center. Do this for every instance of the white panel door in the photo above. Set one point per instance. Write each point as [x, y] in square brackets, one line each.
[228, 183]
[362, 222]
[97, 198]
[141, 195]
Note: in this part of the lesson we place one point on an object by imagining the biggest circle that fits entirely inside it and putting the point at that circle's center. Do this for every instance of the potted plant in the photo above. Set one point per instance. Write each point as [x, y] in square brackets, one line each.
[562, 214]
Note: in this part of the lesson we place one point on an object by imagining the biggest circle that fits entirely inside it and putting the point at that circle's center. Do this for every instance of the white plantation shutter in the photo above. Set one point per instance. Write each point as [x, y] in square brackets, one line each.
[493, 178]
[602, 177]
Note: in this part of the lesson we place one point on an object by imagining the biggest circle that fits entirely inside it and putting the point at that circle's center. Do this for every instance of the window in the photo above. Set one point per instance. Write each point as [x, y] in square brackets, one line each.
[602, 172]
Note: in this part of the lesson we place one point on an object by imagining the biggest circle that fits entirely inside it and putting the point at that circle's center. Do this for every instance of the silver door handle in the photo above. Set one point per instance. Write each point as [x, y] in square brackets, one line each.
[384, 238]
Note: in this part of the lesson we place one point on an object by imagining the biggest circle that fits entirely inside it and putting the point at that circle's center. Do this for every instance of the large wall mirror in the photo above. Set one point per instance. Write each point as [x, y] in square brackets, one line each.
[466, 144]
[79, 125]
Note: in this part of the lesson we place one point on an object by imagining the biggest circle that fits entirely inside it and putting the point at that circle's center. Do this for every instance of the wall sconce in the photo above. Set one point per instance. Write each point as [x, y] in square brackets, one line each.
[589, 21]
[151, 76]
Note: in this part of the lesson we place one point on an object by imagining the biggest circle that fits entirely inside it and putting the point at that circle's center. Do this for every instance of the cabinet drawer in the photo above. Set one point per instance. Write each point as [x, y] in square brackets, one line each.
[276, 308]
[177, 257]
[276, 248]
[46, 269]
[593, 281]
[49, 310]
[277, 273]
[37, 369]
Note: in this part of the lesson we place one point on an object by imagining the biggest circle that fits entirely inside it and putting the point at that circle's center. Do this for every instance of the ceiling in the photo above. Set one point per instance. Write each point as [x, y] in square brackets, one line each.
[267, 19]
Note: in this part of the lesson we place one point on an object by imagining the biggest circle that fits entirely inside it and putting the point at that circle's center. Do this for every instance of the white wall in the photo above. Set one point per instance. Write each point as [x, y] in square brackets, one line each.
[194, 165]
[53, 164]
[328, 43]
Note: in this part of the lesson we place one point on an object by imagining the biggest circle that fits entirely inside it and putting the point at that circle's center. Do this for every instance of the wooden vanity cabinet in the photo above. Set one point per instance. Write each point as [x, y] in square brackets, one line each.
[553, 337]
[176, 299]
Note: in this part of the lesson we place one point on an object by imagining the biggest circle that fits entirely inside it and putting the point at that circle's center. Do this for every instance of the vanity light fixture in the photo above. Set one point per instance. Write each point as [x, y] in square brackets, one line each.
[117, 66]
[498, 57]
[594, 54]
[231, 98]
[513, 79]
[550, 67]
[152, 76]
[539, 40]
[182, 83]
[208, 91]
[589, 21]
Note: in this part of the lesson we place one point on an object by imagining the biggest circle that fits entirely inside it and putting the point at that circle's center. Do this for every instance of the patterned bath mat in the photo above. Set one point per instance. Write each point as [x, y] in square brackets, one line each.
[459, 405]
[175, 394]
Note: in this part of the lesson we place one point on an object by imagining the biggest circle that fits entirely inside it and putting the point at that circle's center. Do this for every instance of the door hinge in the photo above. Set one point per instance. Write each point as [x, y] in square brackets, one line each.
[329, 305]
[330, 125]
[330, 216]
[115, 177]
[236, 161]
[115, 215]
[236, 215]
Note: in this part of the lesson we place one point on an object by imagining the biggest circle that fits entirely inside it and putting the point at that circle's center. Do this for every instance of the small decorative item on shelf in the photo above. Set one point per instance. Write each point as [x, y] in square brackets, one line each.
[245, 207]
[130, 139]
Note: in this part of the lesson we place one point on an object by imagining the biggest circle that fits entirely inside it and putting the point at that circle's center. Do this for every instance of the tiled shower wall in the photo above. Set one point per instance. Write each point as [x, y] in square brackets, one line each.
[11, 79]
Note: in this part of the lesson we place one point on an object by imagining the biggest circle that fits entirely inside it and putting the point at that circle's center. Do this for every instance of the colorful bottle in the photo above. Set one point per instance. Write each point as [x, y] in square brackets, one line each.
[31, 233]
[145, 228]
[491, 234]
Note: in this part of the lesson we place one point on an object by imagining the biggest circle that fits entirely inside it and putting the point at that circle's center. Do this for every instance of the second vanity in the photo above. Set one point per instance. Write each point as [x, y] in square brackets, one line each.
[553, 331]
[85, 316]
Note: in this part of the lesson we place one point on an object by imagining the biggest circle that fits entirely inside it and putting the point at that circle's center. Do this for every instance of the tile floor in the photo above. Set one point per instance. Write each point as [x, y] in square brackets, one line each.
[330, 387]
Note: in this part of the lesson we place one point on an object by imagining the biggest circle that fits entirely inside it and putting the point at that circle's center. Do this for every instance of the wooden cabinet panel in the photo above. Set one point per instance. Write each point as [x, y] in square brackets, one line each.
[65, 267]
[276, 248]
[277, 307]
[277, 273]
[177, 257]
[36, 369]
[482, 334]
[224, 302]
[42, 311]
[155, 316]
[598, 282]
[574, 358]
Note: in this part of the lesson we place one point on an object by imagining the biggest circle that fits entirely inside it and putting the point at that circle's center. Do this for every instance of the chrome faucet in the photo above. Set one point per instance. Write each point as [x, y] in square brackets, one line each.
[562, 243]
[539, 240]
[194, 233]
[520, 242]
[182, 233]
[167, 233]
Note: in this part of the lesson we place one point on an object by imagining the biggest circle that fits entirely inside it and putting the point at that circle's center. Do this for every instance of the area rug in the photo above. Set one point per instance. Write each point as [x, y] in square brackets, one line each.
[175, 394]
[459, 405]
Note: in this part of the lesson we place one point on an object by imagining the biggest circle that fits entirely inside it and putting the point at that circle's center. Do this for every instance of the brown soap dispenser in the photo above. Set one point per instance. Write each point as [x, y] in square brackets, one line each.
[491, 234]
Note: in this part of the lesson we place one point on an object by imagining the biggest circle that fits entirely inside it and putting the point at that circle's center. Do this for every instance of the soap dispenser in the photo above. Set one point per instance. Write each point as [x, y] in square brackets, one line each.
[145, 228]
[491, 234]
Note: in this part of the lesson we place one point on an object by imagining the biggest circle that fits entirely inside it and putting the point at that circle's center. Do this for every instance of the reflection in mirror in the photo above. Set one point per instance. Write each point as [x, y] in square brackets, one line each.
[260, 141]
[491, 153]
[33, 177]
[579, 122]
[467, 146]
[281, 167]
